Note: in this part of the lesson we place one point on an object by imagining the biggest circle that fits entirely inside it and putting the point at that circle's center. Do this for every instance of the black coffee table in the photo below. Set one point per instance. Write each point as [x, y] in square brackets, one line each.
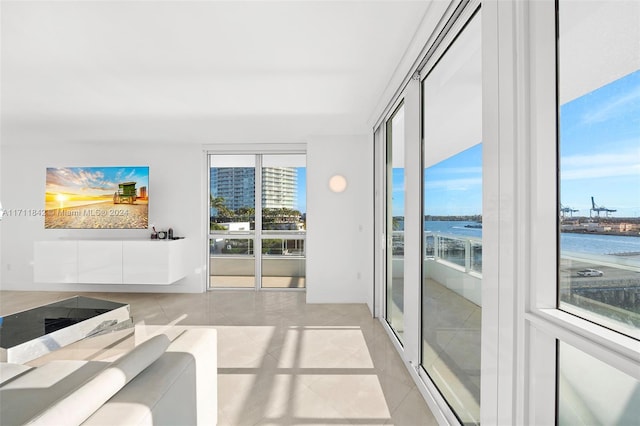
[35, 332]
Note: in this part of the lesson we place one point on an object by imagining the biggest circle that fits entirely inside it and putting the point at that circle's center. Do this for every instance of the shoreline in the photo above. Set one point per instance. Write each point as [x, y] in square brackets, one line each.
[596, 232]
[99, 216]
[106, 203]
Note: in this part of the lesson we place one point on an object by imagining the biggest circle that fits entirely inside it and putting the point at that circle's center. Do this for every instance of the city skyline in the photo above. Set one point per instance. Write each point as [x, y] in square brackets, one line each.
[300, 196]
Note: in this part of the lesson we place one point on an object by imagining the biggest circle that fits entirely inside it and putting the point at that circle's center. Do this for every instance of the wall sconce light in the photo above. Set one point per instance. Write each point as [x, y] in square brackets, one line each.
[337, 183]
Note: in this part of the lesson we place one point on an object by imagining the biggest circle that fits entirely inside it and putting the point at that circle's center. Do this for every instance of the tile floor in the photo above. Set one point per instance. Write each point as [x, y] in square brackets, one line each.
[451, 330]
[451, 348]
[280, 361]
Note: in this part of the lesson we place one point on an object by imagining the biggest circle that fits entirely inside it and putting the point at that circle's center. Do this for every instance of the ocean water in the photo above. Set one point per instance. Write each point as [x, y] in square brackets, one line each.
[584, 243]
[452, 227]
[599, 244]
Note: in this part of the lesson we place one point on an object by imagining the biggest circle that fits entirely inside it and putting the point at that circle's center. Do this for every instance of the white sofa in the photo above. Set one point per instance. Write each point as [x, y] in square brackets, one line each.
[159, 382]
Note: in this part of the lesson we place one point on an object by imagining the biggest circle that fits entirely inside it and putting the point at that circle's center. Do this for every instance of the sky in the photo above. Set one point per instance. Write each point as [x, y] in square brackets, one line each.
[302, 190]
[453, 187]
[600, 149]
[599, 157]
[94, 181]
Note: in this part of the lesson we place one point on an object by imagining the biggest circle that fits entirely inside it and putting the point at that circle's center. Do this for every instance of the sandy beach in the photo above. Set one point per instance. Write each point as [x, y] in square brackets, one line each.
[100, 216]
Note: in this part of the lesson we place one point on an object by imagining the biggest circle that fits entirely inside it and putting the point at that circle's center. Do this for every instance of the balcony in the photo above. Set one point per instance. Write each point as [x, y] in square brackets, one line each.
[232, 262]
[451, 306]
[455, 262]
[451, 315]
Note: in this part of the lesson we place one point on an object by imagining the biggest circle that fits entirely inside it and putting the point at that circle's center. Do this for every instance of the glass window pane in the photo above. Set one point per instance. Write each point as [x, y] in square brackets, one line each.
[284, 193]
[231, 262]
[232, 192]
[395, 222]
[283, 263]
[232, 211]
[452, 197]
[591, 392]
[599, 149]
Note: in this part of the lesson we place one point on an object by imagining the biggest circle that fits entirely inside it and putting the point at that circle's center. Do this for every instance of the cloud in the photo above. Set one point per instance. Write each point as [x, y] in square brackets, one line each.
[56, 177]
[465, 184]
[458, 170]
[125, 174]
[398, 187]
[601, 172]
[614, 106]
[600, 165]
[77, 179]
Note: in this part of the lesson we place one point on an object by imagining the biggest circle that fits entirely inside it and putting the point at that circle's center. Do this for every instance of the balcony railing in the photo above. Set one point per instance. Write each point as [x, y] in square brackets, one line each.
[461, 252]
[614, 292]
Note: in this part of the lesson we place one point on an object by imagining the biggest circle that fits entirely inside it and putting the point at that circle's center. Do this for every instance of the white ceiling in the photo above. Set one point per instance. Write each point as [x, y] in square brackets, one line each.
[599, 43]
[197, 71]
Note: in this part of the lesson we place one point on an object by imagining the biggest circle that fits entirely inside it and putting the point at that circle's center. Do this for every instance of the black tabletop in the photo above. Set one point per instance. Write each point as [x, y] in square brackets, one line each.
[27, 325]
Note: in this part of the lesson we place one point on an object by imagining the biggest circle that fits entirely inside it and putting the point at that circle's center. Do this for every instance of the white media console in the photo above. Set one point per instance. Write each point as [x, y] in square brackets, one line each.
[109, 261]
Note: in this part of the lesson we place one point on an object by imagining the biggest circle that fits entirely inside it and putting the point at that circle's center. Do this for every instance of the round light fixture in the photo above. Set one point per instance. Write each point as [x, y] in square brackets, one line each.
[337, 183]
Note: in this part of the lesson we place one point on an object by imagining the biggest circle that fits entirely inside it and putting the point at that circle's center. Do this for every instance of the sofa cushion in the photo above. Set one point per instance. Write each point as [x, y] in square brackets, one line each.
[76, 407]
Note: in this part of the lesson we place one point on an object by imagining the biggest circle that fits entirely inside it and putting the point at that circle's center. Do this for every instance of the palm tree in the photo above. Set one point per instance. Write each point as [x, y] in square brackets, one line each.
[248, 212]
[218, 203]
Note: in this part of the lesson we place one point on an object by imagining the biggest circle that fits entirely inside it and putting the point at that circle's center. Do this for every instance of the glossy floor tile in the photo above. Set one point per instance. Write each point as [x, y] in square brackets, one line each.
[451, 348]
[280, 361]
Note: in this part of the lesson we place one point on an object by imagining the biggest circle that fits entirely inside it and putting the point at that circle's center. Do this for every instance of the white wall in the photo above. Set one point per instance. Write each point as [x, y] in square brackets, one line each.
[176, 200]
[339, 253]
[340, 225]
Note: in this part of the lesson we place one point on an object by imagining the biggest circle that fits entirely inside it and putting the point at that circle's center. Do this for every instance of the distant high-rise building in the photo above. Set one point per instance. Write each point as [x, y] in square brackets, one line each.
[279, 187]
[237, 186]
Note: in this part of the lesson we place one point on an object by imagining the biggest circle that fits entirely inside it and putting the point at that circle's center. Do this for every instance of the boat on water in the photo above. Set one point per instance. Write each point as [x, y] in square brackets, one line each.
[474, 225]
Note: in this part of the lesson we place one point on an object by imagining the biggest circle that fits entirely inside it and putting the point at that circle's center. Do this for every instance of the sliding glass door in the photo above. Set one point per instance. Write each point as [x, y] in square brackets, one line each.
[452, 238]
[257, 227]
[395, 190]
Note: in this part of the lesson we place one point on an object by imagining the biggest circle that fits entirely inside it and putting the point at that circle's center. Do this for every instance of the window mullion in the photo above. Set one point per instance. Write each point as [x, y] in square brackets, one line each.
[257, 244]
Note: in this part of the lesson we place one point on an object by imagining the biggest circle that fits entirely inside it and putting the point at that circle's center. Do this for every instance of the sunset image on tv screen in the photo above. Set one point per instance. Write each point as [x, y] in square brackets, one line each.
[97, 198]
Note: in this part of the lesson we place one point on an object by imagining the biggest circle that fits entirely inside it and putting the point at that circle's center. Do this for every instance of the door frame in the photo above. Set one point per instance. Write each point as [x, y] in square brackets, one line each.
[257, 150]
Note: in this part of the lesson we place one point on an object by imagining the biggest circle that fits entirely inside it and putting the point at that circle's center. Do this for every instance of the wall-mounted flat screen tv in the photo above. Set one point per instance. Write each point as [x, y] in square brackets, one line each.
[97, 198]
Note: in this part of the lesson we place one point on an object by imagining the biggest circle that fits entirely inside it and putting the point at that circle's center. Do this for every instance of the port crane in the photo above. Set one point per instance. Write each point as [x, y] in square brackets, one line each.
[598, 209]
[566, 209]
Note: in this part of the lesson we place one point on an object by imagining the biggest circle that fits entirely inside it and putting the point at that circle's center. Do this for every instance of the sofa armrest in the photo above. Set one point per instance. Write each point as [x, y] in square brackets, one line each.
[179, 388]
[202, 343]
[78, 405]
[32, 393]
[9, 371]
